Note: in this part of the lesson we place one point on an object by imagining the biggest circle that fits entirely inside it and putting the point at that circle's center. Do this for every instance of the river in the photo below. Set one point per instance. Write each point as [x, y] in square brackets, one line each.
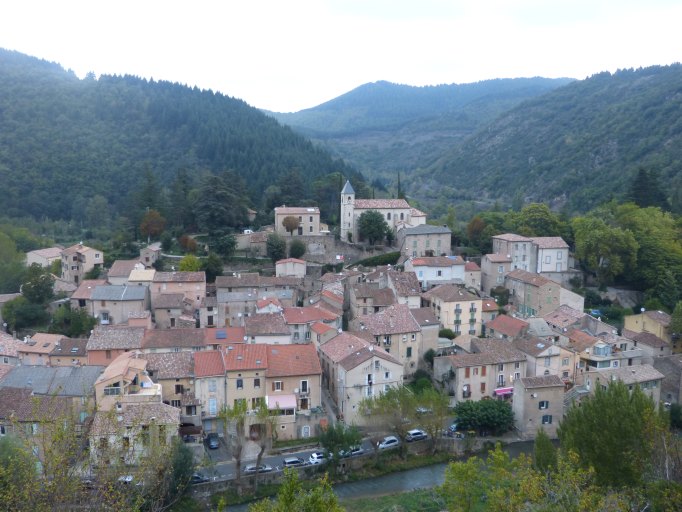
[403, 481]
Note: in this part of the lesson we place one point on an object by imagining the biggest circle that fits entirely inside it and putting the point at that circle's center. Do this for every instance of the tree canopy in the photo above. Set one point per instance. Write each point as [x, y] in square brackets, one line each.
[372, 226]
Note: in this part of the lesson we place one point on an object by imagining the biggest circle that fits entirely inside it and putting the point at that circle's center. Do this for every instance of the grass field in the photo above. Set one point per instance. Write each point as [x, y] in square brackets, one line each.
[422, 500]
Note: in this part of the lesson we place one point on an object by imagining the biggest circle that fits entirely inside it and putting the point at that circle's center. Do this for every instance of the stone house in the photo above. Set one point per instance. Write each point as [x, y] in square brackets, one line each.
[456, 308]
[191, 284]
[173, 310]
[106, 343]
[494, 268]
[367, 298]
[405, 286]
[150, 254]
[435, 270]
[534, 295]
[472, 275]
[210, 387]
[78, 260]
[113, 304]
[671, 385]
[645, 376]
[544, 358]
[652, 346]
[308, 218]
[44, 257]
[290, 267]
[120, 271]
[538, 404]
[174, 340]
[506, 327]
[654, 322]
[82, 297]
[267, 328]
[35, 351]
[424, 240]
[301, 320]
[69, 352]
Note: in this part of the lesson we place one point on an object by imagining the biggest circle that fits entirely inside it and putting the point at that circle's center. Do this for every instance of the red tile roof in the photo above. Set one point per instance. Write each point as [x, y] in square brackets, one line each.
[321, 328]
[208, 363]
[265, 324]
[395, 319]
[180, 277]
[87, 286]
[450, 293]
[306, 315]
[471, 266]
[292, 360]
[289, 260]
[375, 204]
[530, 278]
[246, 357]
[231, 335]
[508, 325]
[437, 261]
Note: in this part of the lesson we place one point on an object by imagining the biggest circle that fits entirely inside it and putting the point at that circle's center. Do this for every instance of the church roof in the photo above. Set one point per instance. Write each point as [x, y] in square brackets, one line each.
[348, 188]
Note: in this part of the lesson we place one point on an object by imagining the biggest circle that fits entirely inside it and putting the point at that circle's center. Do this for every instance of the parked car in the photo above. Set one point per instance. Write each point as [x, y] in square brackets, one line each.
[352, 452]
[293, 462]
[415, 435]
[125, 479]
[423, 410]
[263, 468]
[199, 478]
[213, 441]
[317, 458]
[388, 442]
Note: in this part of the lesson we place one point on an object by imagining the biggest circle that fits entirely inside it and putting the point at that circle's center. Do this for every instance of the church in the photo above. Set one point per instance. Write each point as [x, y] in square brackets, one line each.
[397, 212]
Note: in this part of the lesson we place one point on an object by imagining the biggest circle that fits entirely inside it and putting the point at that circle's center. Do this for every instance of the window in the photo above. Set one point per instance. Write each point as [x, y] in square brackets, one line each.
[543, 404]
[565, 375]
[277, 385]
[547, 419]
[517, 375]
[311, 218]
[500, 269]
[548, 259]
[304, 386]
[212, 406]
[500, 367]
[212, 386]
[548, 361]
[179, 389]
[175, 403]
[409, 352]
[558, 255]
[475, 371]
[310, 229]
[402, 216]
[564, 361]
[439, 273]
[482, 387]
[256, 383]
[388, 216]
[376, 365]
[387, 375]
[2, 430]
[240, 383]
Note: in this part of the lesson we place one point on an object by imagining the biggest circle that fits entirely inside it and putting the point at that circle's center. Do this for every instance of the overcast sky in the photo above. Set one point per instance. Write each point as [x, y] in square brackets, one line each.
[288, 55]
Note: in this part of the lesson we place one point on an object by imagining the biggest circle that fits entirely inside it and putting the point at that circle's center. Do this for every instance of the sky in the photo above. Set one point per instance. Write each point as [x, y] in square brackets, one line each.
[289, 55]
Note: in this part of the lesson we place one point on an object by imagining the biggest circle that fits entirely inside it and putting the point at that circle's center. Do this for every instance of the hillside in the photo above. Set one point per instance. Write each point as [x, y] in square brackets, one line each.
[382, 128]
[64, 140]
[575, 146]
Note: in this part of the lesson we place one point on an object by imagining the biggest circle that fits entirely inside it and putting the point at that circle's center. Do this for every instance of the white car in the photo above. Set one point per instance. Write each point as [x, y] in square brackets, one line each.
[415, 435]
[388, 442]
[317, 458]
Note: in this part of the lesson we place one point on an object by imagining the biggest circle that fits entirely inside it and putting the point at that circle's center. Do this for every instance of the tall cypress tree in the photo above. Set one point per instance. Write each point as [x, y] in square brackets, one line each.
[646, 190]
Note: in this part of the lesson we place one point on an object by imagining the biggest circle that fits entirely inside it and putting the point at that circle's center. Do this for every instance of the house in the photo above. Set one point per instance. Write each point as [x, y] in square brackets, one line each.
[424, 240]
[9, 350]
[131, 417]
[517, 248]
[191, 284]
[671, 386]
[645, 376]
[245, 374]
[69, 352]
[655, 322]
[538, 404]
[545, 358]
[174, 371]
[472, 277]
[106, 343]
[217, 338]
[308, 218]
[397, 212]
[120, 271]
[435, 270]
[36, 349]
[78, 260]
[290, 267]
[652, 346]
[489, 310]
[210, 315]
[355, 369]
[494, 268]
[113, 304]
[174, 310]
[535, 295]
[551, 254]
[322, 333]
[268, 305]
[150, 254]
[456, 308]
[210, 387]
[293, 378]
[300, 321]
[267, 328]
[396, 331]
[366, 298]
[405, 286]
[601, 351]
[564, 317]
[32, 417]
[82, 297]
[489, 372]
[142, 277]
[173, 340]
[73, 384]
[44, 257]
[430, 328]
[506, 327]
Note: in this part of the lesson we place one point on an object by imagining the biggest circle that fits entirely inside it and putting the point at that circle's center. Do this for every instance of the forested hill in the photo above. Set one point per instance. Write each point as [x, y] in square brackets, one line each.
[578, 145]
[383, 127]
[64, 140]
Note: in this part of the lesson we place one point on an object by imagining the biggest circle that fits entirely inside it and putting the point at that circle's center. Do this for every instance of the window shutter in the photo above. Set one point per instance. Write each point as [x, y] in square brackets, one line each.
[282, 385]
[483, 370]
[273, 386]
[466, 372]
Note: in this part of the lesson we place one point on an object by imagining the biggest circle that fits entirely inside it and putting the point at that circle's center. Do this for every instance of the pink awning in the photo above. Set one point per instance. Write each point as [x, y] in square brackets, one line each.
[504, 391]
[281, 401]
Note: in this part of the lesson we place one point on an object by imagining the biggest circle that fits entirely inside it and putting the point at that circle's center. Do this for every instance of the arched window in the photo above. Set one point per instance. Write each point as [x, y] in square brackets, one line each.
[402, 216]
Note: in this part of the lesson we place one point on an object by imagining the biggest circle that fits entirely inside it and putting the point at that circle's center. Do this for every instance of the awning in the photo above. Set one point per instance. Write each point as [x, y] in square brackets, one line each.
[281, 401]
[504, 391]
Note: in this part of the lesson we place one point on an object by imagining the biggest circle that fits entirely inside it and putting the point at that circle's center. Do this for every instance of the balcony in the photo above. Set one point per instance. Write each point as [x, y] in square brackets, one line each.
[472, 310]
[458, 322]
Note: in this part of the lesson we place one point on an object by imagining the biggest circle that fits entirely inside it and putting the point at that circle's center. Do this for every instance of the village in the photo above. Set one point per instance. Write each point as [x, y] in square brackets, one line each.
[171, 353]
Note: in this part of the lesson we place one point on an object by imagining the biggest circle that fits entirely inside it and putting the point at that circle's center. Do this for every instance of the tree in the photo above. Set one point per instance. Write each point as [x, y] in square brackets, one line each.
[291, 224]
[675, 326]
[73, 323]
[224, 244]
[544, 453]
[537, 219]
[296, 248]
[20, 313]
[463, 488]
[237, 415]
[336, 438]
[612, 432]
[220, 203]
[372, 226]
[152, 224]
[494, 416]
[213, 266]
[437, 406]
[39, 288]
[646, 190]
[267, 421]
[276, 247]
[396, 408]
[190, 263]
[293, 497]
